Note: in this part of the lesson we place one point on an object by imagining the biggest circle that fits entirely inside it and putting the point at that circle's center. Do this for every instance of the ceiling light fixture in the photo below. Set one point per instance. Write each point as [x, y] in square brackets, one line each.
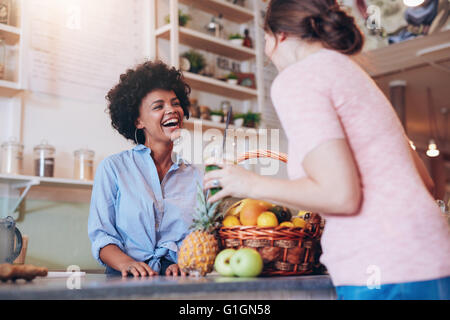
[432, 151]
[413, 3]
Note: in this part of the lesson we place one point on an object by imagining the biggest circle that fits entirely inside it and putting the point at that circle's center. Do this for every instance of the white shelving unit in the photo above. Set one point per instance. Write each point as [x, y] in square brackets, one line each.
[208, 124]
[13, 85]
[13, 36]
[177, 35]
[219, 87]
[201, 40]
[18, 187]
[230, 11]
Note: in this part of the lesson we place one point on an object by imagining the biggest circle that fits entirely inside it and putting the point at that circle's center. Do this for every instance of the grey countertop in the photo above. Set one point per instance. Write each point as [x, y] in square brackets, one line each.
[213, 286]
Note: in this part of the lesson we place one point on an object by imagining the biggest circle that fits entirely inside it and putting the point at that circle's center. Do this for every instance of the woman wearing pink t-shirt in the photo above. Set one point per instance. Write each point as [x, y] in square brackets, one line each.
[349, 159]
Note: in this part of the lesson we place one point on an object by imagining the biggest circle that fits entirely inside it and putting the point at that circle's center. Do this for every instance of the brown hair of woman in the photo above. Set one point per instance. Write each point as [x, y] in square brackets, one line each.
[315, 20]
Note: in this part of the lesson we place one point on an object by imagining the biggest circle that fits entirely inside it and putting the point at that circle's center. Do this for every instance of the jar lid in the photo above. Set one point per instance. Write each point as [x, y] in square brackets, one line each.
[84, 151]
[44, 146]
[12, 142]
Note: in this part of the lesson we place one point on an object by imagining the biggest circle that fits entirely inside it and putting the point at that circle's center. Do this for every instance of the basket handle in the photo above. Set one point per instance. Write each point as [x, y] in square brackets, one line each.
[263, 154]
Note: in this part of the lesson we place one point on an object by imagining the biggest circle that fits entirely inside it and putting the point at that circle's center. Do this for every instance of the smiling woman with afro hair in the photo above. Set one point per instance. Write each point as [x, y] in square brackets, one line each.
[126, 97]
[142, 201]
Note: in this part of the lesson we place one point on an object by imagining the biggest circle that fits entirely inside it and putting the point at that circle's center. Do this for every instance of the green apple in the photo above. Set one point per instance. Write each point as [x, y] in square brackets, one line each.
[222, 262]
[246, 262]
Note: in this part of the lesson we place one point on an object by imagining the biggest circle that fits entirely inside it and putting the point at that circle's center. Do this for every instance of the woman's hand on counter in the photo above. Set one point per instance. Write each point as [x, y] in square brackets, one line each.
[114, 257]
[234, 180]
[174, 270]
[137, 269]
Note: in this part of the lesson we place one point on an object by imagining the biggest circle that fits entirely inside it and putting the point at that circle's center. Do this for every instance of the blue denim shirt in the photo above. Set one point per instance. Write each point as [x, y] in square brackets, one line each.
[130, 208]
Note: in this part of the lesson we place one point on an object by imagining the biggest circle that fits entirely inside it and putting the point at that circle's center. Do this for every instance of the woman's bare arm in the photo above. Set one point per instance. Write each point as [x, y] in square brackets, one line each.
[427, 180]
[331, 186]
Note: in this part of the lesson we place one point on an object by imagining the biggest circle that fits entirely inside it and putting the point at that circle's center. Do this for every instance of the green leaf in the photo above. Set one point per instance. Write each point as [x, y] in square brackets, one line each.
[201, 203]
[213, 209]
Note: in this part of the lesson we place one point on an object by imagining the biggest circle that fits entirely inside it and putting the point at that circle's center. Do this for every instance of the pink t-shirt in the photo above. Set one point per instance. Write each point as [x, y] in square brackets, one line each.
[399, 234]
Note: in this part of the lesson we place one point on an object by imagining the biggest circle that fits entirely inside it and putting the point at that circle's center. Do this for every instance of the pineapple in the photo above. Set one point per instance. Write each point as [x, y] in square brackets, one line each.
[199, 249]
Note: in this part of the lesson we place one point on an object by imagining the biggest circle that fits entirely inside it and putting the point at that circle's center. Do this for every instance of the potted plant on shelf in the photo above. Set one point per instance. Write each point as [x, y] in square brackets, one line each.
[236, 39]
[196, 60]
[183, 18]
[238, 119]
[252, 119]
[232, 78]
[216, 116]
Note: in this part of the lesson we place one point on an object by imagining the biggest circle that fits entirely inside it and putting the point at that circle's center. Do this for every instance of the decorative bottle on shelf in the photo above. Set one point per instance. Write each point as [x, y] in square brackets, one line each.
[2, 59]
[247, 40]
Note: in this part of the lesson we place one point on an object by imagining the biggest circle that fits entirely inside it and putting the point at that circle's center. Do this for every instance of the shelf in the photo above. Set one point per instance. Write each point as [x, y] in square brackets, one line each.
[219, 87]
[9, 88]
[19, 180]
[208, 124]
[229, 11]
[406, 55]
[9, 33]
[209, 43]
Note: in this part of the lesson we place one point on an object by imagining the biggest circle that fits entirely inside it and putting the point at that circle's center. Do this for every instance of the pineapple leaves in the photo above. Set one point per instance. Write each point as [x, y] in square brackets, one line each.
[200, 197]
[205, 216]
[212, 209]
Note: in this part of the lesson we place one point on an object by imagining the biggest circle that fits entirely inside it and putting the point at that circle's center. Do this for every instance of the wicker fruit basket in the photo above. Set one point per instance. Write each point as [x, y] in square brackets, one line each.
[286, 251]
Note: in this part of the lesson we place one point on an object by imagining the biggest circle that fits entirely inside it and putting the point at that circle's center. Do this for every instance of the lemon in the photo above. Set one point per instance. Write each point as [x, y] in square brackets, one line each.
[299, 222]
[231, 221]
[287, 224]
[267, 219]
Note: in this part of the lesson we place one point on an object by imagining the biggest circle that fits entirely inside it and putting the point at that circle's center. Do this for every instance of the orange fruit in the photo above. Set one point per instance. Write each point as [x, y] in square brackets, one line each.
[251, 209]
[231, 221]
[267, 219]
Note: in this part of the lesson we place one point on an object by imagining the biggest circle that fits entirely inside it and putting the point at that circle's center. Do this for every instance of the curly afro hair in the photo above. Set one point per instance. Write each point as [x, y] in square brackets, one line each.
[124, 100]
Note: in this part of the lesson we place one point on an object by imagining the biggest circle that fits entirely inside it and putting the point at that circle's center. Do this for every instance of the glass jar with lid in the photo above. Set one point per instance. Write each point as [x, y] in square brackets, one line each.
[84, 164]
[12, 157]
[44, 160]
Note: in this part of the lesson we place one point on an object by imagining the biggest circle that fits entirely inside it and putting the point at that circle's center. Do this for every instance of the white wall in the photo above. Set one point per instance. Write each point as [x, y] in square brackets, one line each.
[68, 125]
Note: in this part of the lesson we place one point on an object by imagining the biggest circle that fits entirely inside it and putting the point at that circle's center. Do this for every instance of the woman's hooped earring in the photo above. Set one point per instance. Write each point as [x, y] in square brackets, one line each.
[135, 136]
